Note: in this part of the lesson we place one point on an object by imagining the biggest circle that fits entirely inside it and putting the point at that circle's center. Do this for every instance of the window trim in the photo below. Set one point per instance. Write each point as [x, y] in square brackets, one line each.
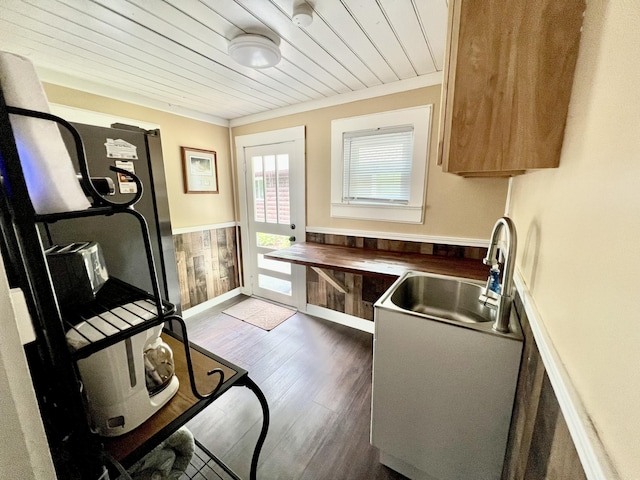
[413, 211]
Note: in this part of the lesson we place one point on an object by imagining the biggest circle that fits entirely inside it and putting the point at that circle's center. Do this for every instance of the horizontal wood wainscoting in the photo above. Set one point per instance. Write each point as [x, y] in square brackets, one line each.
[540, 445]
[371, 269]
[207, 264]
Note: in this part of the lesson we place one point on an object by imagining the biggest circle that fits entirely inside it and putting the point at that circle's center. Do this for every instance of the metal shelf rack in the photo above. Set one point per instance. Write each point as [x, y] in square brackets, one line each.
[77, 452]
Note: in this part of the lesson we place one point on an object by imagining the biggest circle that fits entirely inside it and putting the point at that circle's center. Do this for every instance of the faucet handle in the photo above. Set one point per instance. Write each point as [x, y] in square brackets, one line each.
[490, 299]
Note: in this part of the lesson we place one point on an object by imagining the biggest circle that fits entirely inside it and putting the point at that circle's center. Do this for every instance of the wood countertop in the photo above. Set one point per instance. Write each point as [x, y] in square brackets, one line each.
[377, 262]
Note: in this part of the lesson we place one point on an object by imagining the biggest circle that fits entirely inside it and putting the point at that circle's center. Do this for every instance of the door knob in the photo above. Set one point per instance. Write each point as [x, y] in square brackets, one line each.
[292, 238]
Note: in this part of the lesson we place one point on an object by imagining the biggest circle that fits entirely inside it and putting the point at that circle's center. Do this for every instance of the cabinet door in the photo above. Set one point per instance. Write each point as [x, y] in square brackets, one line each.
[507, 84]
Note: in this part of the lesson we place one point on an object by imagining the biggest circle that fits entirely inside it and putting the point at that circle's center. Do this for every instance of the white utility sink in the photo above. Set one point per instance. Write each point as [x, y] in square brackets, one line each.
[443, 380]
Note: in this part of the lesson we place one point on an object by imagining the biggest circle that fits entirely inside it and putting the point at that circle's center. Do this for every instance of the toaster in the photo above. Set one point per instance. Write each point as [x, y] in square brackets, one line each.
[77, 270]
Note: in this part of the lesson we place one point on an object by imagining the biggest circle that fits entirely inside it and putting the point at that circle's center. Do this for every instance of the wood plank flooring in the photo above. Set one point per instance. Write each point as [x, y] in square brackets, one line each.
[316, 376]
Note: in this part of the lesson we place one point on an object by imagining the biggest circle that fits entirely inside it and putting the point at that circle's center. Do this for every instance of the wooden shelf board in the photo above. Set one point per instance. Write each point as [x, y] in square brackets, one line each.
[132, 446]
[377, 262]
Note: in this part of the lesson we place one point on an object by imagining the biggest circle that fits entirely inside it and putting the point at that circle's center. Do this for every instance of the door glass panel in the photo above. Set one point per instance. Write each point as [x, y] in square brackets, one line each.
[258, 189]
[273, 265]
[270, 189]
[274, 284]
[272, 241]
[283, 188]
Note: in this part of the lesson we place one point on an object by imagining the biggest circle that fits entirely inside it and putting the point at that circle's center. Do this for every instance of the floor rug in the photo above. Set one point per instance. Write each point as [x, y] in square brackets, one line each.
[259, 313]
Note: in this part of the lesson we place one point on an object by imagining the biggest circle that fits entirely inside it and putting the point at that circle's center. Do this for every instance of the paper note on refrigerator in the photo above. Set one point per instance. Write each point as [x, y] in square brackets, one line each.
[121, 149]
[125, 182]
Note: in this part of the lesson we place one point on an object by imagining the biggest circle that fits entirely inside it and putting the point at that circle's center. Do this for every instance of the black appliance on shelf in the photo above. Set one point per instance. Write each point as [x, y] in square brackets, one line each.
[119, 236]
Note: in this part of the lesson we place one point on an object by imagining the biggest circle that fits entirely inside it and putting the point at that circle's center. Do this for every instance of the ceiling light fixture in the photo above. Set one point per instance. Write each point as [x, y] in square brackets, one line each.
[255, 51]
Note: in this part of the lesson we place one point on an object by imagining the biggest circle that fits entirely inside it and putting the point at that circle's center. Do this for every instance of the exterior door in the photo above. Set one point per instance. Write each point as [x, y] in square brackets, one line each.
[275, 211]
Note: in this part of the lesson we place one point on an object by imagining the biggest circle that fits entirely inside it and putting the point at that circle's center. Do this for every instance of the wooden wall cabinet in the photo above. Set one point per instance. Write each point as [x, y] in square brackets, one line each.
[507, 82]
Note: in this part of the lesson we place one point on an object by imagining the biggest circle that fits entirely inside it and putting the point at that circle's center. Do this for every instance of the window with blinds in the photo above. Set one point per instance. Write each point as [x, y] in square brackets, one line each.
[377, 165]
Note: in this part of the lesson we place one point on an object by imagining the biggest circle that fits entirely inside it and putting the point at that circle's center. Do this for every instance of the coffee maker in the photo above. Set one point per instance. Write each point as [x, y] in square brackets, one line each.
[128, 382]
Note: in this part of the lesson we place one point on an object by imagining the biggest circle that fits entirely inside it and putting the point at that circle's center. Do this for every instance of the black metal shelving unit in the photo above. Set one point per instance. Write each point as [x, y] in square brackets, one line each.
[77, 452]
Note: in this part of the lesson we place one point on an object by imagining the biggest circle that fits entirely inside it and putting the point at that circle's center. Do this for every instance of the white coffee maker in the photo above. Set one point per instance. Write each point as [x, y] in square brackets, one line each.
[128, 382]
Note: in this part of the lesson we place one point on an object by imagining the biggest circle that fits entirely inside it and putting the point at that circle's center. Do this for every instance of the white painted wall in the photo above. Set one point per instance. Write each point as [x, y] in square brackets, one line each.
[579, 232]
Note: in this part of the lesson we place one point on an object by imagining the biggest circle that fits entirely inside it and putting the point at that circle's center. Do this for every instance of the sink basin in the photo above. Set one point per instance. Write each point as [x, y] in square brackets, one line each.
[441, 298]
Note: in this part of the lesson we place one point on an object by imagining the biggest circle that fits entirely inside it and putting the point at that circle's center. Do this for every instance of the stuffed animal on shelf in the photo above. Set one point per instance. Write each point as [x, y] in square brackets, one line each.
[168, 461]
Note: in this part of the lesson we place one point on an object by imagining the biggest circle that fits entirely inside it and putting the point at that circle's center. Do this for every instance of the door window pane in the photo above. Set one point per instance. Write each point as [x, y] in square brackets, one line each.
[270, 189]
[258, 189]
[274, 284]
[273, 265]
[272, 241]
[283, 189]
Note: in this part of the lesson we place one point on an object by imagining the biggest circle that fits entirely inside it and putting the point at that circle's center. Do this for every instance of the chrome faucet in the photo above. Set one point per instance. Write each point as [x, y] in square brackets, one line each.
[502, 300]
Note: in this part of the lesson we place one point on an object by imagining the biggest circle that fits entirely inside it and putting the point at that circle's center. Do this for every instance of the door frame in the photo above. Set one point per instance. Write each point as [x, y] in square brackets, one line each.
[297, 136]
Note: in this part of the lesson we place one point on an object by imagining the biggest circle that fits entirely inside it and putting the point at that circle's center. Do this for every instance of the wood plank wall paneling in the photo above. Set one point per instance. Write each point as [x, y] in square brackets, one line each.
[458, 251]
[364, 291]
[540, 446]
[207, 264]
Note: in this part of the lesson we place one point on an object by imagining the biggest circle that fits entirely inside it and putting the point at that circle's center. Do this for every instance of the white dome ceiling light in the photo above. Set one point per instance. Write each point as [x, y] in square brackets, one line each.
[255, 51]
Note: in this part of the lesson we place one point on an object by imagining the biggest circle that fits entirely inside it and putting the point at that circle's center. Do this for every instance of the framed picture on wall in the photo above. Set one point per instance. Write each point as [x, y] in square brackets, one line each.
[199, 170]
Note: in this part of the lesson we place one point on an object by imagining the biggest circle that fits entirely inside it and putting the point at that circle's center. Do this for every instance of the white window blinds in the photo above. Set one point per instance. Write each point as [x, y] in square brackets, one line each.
[377, 165]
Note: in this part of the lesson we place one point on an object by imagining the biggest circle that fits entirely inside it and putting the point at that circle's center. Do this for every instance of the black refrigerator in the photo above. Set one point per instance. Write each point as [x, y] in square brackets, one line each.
[137, 150]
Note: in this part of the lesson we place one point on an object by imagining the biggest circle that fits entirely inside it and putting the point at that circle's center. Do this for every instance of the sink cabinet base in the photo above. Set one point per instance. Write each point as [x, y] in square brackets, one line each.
[403, 467]
[442, 397]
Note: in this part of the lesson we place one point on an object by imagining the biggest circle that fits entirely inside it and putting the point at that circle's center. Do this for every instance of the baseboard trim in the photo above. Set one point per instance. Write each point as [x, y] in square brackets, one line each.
[201, 307]
[593, 456]
[341, 318]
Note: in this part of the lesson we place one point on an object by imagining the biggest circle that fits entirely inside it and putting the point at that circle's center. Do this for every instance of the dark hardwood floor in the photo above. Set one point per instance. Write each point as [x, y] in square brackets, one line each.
[316, 376]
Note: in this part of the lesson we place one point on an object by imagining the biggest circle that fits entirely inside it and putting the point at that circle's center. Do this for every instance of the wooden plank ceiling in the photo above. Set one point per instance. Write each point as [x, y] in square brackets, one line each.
[172, 54]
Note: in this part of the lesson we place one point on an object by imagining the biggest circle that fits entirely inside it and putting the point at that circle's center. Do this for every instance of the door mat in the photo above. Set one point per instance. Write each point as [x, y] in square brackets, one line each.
[259, 313]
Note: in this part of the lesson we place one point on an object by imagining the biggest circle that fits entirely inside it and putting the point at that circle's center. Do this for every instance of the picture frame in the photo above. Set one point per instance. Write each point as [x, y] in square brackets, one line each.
[199, 170]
